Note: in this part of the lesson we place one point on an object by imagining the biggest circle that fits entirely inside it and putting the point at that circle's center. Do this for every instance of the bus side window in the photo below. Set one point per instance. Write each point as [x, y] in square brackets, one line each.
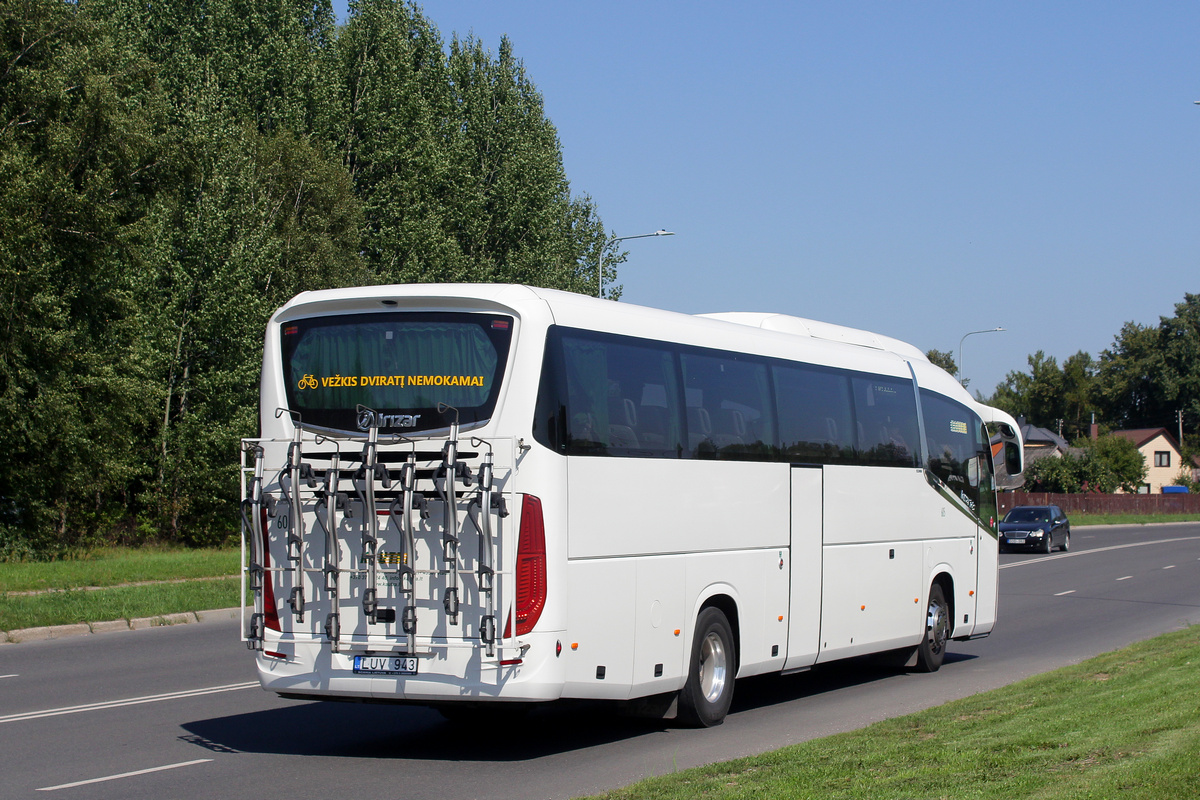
[654, 416]
[814, 408]
[886, 412]
[606, 380]
[728, 406]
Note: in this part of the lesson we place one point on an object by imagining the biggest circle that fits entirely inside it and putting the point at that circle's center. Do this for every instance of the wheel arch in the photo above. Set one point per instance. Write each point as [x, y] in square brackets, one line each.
[942, 577]
[722, 599]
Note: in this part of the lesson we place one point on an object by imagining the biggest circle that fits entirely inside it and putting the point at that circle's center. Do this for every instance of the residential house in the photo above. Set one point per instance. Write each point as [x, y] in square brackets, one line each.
[1041, 442]
[1161, 452]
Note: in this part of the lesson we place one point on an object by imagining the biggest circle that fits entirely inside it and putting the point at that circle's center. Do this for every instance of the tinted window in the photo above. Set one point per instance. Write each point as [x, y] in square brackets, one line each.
[614, 395]
[816, 420]
[728, 406]
[958, 451]
[1028, 514]
[401, 365]
[885, 410]
[604, 395]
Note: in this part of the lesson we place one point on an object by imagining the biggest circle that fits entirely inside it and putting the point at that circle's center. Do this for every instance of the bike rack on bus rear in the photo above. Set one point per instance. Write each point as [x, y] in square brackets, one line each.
[388, 476]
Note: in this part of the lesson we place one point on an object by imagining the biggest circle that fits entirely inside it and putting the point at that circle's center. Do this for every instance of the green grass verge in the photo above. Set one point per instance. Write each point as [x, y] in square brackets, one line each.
[1125, 724]
[121, 602]
[117, 565]
[1130, 519]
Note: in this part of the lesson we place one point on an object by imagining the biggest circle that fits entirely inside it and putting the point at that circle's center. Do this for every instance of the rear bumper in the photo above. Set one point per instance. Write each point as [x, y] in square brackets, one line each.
[312, 669]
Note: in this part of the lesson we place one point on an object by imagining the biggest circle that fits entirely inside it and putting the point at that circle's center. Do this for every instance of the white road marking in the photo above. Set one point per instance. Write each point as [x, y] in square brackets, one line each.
[1170, 567]
[123, 775]
[1127, 577]
[132, 701]
[1076, 553]
[1069, 591]
[14, 675]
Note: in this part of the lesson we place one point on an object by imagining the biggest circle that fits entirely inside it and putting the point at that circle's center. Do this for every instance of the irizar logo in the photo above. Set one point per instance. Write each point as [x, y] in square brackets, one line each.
[367, 419]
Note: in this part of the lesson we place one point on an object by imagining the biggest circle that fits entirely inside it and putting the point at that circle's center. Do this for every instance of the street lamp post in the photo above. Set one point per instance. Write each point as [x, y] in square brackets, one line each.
[614, 240]
[961, 373]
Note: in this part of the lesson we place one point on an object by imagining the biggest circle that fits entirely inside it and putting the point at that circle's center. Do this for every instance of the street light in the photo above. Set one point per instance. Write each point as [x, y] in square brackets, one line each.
[961, 374]
[614, 240]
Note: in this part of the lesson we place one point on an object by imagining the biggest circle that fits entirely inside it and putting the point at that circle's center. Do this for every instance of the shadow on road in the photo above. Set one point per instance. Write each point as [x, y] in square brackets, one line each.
[361, 730]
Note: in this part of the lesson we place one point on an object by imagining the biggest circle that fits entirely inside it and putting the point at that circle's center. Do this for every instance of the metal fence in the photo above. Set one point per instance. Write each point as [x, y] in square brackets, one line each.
[1092, 503]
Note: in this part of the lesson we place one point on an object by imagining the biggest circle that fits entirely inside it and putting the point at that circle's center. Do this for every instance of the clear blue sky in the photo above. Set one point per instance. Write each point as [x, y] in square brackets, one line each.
[917, 169]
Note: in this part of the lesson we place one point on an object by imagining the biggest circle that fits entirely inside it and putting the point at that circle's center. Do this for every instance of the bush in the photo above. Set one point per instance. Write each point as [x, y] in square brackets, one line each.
[1103, 465]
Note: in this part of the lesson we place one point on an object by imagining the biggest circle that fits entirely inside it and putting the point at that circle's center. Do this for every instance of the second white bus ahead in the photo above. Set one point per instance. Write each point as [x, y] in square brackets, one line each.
[466, 495]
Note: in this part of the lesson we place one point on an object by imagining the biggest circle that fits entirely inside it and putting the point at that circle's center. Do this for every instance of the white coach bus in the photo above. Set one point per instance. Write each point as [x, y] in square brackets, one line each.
[475, 494]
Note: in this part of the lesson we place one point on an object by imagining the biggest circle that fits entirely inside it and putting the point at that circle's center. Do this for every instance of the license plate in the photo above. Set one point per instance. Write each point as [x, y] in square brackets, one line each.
[1016, 541]
[385, 665]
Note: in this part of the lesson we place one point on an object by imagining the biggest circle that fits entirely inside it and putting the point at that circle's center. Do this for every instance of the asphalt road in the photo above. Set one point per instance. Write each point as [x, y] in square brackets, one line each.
[175, 712]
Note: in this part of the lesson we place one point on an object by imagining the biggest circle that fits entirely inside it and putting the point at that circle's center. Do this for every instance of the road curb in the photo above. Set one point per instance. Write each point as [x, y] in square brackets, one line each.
[140, 623]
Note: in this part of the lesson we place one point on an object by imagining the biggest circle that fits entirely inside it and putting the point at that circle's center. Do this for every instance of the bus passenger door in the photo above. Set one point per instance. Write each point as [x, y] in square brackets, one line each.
[804, 606]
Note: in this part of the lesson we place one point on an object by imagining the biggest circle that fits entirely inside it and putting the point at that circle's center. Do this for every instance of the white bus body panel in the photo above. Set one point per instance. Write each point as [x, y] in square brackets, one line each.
[631, 507]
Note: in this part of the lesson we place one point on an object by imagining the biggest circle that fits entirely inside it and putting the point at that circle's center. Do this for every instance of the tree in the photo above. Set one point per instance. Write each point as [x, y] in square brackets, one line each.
[1037, 395]
[255, 219]
[257, 62]
[458, 170]
[172, 172]
[513, 215]
[1114, 462]
[1179, 380]
[1152, 373]
[943, 359]
[1127, 376]
[1061, 475]
[392, 126]
[1104, 465]
[1078, 389]
[1047, 395]
[81, 115]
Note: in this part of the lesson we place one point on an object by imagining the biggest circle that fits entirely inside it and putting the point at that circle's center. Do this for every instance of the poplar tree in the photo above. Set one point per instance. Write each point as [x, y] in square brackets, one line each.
[171, 172]
[80, 115]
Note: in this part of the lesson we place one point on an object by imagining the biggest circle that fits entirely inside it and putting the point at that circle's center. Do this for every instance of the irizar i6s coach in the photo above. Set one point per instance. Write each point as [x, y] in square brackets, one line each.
[472, 495]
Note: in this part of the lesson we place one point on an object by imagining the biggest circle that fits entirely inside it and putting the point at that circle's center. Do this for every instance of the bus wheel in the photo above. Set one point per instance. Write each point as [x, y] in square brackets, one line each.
[937, 632]
[704, 700]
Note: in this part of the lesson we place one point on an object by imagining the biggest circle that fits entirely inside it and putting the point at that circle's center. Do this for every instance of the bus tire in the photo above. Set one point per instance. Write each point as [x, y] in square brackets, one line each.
[932, 649]
[704, 700]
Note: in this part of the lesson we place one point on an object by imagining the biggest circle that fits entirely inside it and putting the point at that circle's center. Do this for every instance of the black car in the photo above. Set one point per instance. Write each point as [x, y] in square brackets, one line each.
[1038, 528]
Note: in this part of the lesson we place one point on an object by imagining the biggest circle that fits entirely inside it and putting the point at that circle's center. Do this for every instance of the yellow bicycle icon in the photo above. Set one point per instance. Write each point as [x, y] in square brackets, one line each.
[307, 382]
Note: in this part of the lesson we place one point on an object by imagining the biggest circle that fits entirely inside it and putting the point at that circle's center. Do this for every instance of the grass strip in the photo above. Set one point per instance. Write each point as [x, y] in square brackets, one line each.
[1130, 519]
[120, 602]
[1124, 724]
[118, 565]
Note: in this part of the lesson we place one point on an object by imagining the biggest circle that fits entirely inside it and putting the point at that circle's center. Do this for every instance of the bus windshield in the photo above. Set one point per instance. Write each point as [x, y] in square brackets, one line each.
[400, 365]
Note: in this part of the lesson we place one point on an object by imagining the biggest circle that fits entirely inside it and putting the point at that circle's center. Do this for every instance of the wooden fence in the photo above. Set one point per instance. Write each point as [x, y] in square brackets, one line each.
[1092, 503]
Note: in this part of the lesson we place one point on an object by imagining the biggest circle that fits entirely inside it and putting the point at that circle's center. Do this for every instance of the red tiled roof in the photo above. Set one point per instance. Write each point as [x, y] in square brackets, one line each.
[1139, 436]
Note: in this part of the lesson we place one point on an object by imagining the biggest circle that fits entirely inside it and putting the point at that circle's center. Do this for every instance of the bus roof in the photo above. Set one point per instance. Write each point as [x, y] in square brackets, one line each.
[799, 326]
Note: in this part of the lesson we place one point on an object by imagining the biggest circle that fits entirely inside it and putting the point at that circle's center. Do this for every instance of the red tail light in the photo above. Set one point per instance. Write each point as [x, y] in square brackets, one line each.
[531, 567]
[270, 612]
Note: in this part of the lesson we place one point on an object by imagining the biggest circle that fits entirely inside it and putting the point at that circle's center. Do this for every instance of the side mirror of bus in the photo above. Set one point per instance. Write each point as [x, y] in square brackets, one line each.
[1011, 462]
